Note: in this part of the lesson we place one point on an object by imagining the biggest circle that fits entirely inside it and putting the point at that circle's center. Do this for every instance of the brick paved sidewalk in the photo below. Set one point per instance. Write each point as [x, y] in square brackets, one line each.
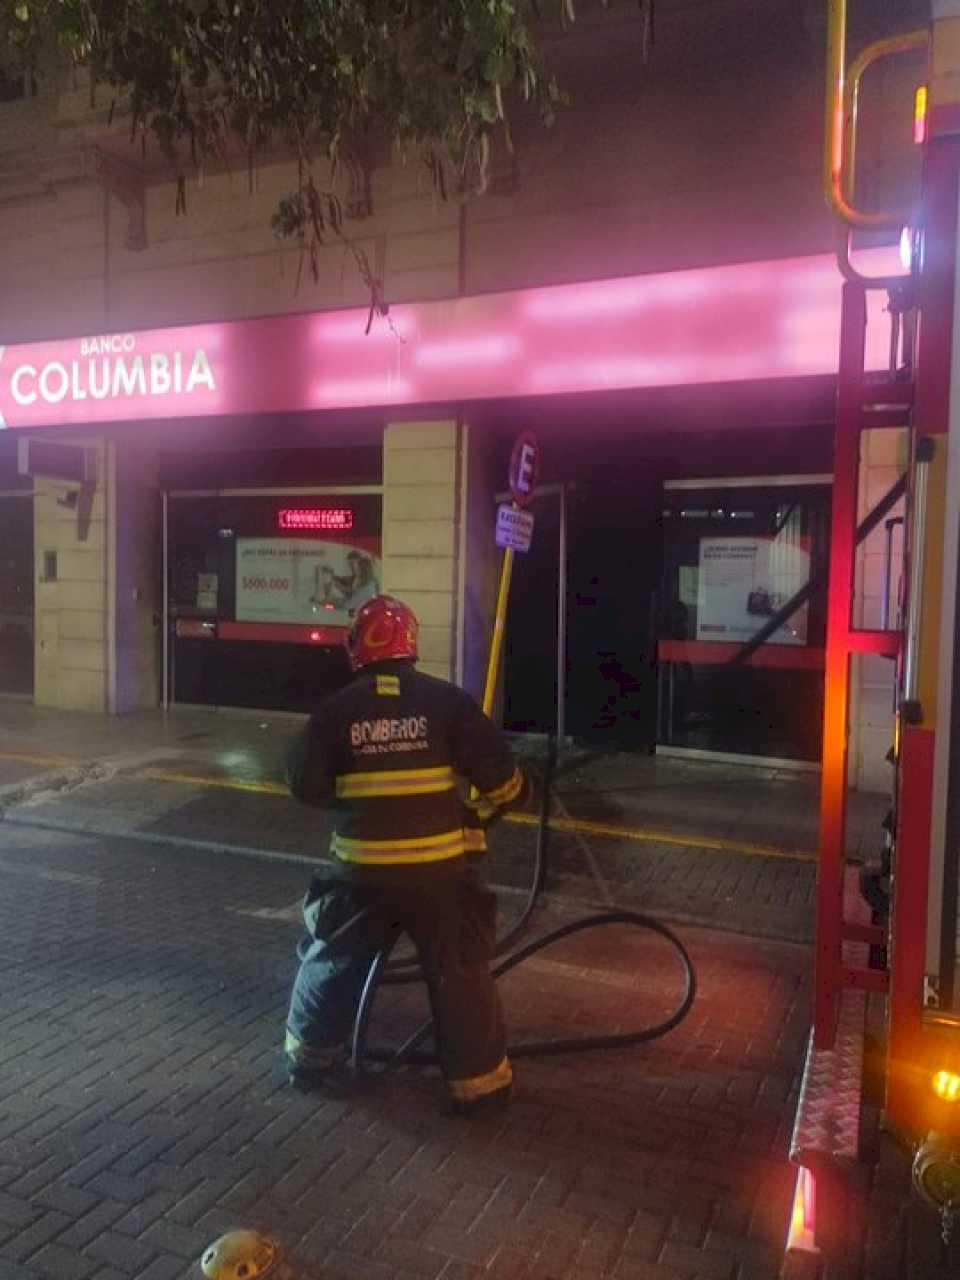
[143, 1110]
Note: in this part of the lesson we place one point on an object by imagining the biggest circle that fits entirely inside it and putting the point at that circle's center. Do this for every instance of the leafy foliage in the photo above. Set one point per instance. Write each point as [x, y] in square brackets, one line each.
[324, 76]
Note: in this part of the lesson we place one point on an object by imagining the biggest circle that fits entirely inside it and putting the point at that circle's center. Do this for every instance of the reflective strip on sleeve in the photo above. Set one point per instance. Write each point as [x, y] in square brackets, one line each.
[469, 1088]
[508, 791]
[475, 840]
[418, 849]
[395, 782]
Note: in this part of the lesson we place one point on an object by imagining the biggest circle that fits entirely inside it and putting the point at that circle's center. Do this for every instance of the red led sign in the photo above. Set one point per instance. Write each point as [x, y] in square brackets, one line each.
[316, 518]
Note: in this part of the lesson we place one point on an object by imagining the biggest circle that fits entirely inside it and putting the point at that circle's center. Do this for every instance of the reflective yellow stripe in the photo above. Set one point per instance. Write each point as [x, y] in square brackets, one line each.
[470, 1087]
[413, 842]
[419, 849]
[348, 790]
[308, 1055]
[400, 859]
[475, 840]
[509, 791]
[441, 771]
[291, 1043]
[395, 782]
[388, 686]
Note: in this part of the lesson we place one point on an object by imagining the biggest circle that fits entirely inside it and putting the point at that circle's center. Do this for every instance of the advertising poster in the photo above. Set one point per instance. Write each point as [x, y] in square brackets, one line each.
[304, 580]
[743, 582]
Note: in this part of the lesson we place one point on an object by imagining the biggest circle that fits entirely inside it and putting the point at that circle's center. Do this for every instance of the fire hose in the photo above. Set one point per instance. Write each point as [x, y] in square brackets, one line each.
[256, 1253]
[382, 972]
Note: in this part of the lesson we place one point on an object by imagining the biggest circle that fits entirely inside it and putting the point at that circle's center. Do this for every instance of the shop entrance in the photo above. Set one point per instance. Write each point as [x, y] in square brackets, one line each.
[614, 576]
[579, 653]
[16, 593]
[598, 578]
[534, 671]
[260, 587]
[740, 671]
[667, 583]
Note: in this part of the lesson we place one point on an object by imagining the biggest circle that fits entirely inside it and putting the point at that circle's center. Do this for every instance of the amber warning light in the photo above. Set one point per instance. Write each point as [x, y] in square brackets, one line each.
[920, 103]
[324, 518]
[946, 1085]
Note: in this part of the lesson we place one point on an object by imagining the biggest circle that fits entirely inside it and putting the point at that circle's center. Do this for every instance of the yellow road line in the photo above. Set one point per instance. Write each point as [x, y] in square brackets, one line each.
[583, 826]
[25, 758]
[644, 835]
[225, 784]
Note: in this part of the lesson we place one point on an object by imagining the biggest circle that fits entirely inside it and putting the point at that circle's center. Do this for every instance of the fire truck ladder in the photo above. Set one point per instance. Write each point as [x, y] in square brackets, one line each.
[826, 1135]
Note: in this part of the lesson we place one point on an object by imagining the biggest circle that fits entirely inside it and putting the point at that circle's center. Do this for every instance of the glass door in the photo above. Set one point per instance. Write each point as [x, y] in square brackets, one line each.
[743, 617]
[261, 588]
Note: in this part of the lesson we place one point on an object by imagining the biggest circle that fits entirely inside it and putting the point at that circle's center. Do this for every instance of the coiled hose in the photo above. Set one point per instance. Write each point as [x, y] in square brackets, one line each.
[381, 972]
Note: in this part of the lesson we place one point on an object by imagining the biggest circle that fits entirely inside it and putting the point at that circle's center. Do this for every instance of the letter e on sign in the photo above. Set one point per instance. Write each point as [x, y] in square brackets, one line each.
[524, 468]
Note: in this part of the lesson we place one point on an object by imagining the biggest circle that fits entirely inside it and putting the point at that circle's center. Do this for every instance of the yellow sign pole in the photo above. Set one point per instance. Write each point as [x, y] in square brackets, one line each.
[499, 627]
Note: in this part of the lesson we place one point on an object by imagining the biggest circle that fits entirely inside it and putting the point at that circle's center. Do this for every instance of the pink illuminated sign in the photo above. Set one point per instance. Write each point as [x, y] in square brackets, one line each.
[752, 320]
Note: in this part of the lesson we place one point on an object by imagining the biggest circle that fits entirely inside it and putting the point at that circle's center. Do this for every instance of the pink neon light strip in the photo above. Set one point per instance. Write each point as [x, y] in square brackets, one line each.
[717, 325]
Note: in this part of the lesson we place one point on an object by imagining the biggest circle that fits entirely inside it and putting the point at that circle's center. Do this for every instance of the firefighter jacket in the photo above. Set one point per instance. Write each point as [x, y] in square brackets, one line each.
[386, 755]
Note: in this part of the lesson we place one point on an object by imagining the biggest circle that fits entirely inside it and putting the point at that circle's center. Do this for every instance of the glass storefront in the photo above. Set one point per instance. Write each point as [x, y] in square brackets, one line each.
[743, 617]
[261, 589]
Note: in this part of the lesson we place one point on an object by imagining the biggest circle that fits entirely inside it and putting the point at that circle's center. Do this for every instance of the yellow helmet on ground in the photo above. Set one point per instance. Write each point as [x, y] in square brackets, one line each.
[239, 1255]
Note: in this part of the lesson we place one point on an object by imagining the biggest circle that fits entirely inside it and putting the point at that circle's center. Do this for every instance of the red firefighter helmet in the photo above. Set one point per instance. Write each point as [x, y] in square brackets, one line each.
[385, 628]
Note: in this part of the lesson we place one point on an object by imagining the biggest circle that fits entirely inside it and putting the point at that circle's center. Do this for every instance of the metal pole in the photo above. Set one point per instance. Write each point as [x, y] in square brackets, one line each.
[562, 624]
[887, 566]
[911, 652]
[165, 607]
[950, 874]
[828, 966]
[894, 360]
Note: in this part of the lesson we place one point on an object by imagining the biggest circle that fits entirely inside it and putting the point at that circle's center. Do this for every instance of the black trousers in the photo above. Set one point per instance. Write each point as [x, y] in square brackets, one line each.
[451, 919]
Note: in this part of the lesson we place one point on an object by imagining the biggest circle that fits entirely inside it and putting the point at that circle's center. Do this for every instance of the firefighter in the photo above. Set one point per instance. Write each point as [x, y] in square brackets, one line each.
[385, 755]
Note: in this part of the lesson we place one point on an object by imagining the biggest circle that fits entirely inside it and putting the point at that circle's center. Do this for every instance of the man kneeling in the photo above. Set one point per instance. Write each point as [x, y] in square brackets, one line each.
[385, 755]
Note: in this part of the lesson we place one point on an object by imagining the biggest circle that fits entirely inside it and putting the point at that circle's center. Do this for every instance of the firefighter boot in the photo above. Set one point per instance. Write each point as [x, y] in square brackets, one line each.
[311, 1069]
[482, 1093]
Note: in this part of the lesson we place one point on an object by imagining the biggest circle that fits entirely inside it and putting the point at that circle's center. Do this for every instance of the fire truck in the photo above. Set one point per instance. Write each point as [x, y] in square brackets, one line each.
[886, 936]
